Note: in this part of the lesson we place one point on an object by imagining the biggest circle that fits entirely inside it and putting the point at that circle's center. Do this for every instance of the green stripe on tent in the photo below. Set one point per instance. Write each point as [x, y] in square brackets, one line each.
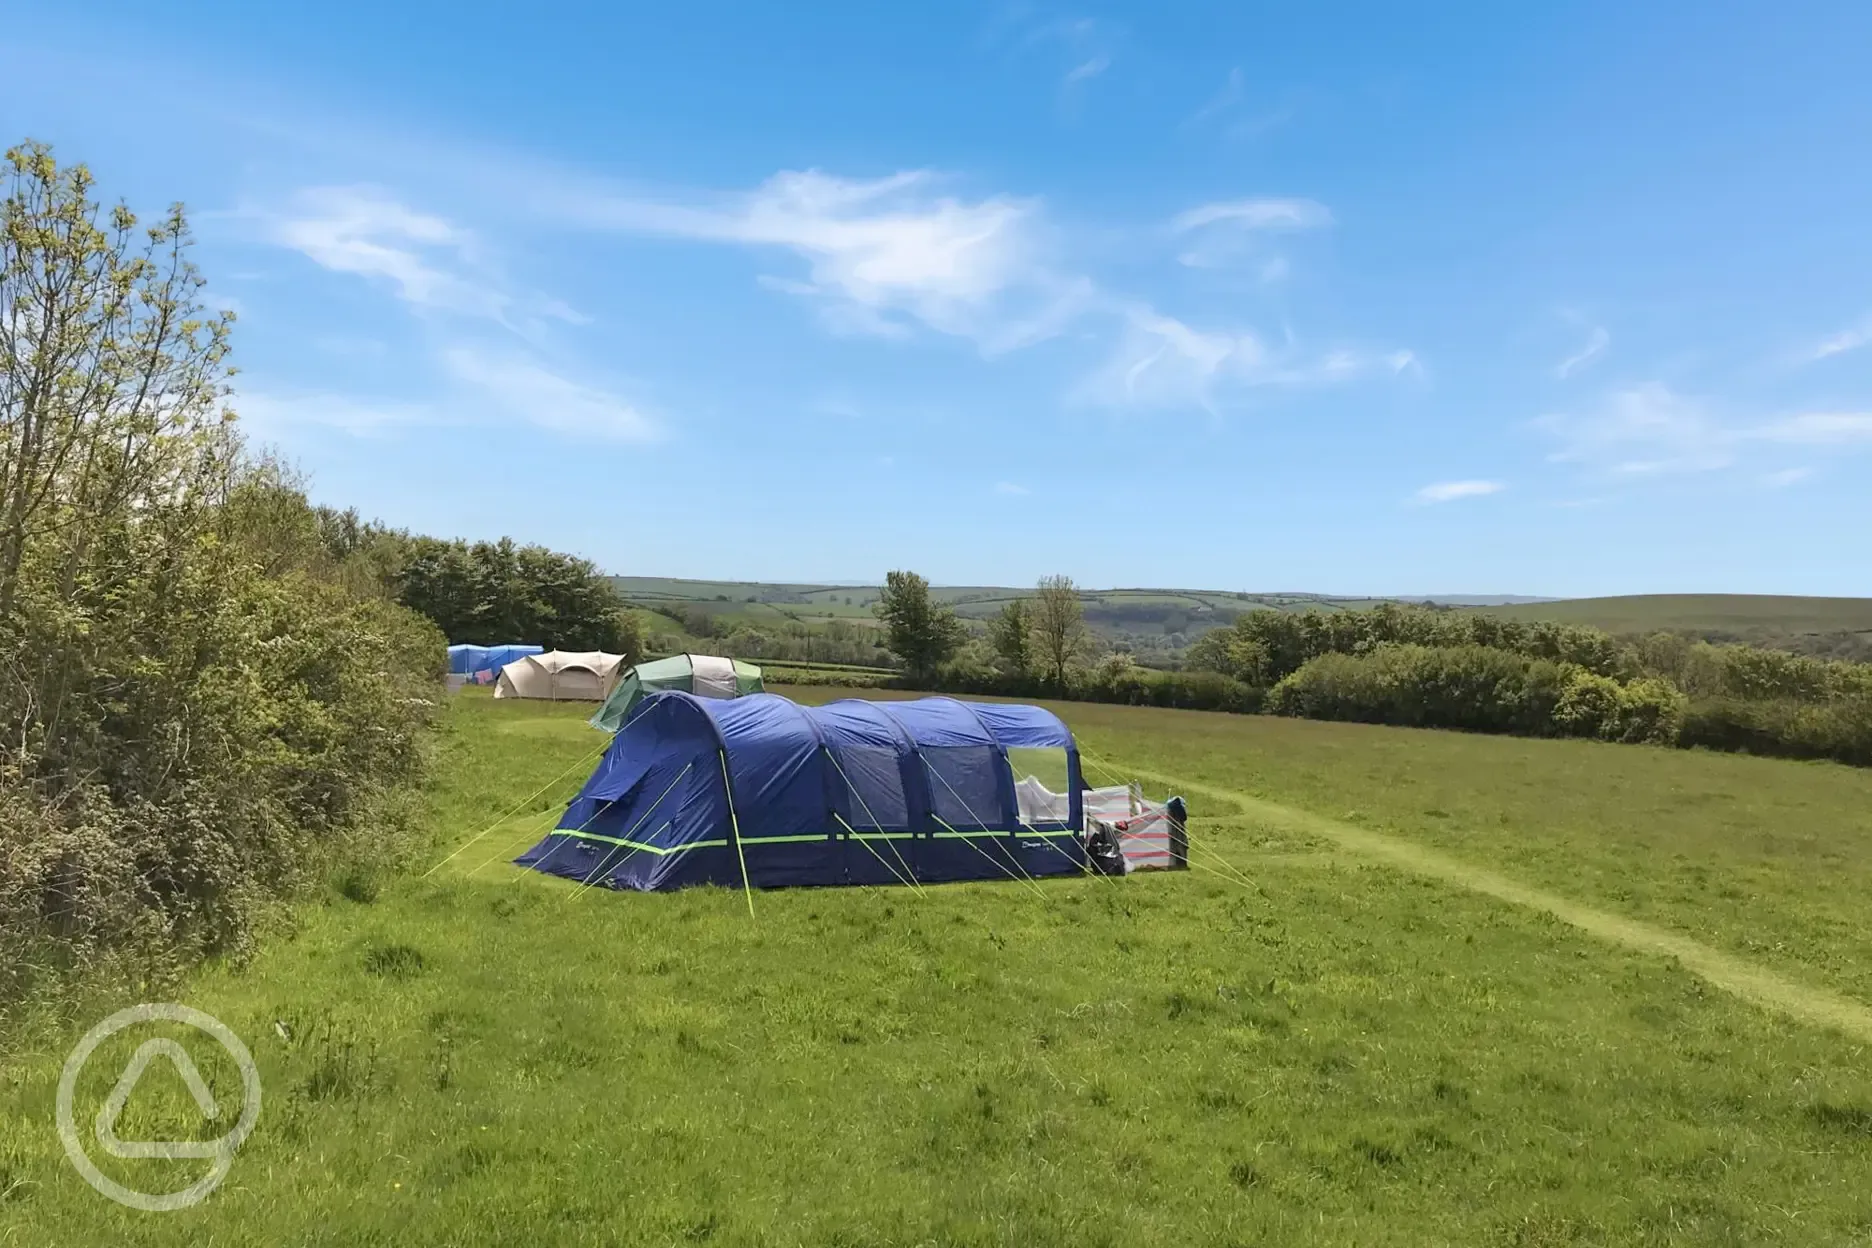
[786, 840]
[651, 849]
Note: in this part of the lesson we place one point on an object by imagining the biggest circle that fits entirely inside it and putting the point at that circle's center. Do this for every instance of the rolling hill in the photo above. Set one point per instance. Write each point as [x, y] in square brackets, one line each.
[1164, 620]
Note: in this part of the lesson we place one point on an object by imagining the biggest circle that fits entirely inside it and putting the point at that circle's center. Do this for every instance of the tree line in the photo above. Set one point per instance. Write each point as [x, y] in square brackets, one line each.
[1408, 665]
[488, 593]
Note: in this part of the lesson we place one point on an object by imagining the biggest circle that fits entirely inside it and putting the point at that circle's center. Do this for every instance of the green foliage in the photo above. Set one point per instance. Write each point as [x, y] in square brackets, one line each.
[1647, 711]
[1115, 679]
[1010, 633]
[209, 702]
[1840, 729]
[486, 593]
[1332, 665]
[1263, 646]
[1058, 629]
[1475, 688]
[917, 629]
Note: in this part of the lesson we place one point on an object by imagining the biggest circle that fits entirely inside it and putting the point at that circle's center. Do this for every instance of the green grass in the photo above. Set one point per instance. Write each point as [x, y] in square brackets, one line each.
[1334, 1052]
[1739, 614]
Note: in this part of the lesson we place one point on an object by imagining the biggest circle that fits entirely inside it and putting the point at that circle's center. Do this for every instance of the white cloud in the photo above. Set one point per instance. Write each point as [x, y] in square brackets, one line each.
[1596, 343]
[429, 262]
[525, 390]
[1818, 429]
[1649, 430]
[216, 301]
[266, 415]
[1256, 214]
[895, 255]
[1088, 43]
[1229, 102]
[1228, 232]
[883, 254]
[1786, 477]
[1009, 487]
[1850, 339]
[1450, 491]
[1161, 361]
[1227, 98]
[1641, 431]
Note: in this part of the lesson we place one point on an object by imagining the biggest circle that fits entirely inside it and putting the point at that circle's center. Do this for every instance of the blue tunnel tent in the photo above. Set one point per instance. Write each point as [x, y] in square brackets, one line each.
[854, 792]
[481, 665]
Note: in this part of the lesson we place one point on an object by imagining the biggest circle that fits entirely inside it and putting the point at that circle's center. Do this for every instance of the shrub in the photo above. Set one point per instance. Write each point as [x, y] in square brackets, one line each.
[1588, 706]
[1647, 710]
[1840, 730]
[1475, 688]
[1650, 712]
[208, 702]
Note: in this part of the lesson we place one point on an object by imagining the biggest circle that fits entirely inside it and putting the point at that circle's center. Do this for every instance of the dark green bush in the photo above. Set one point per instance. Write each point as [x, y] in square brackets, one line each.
[1474, 688]
[1840, 730]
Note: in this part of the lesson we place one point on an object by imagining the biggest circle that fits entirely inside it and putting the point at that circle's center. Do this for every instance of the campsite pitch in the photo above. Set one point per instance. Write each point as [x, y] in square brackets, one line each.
[1336, 1049]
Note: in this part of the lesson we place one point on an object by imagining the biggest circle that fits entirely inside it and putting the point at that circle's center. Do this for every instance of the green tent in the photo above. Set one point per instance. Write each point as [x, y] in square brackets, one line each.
[701, 674]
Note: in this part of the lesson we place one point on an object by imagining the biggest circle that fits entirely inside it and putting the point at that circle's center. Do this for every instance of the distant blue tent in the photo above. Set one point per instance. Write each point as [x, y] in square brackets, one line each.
[850, 793]
[481, 664]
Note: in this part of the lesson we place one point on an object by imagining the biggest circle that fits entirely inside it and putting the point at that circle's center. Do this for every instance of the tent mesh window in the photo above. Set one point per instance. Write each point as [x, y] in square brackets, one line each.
[964, 788]
[869, 794]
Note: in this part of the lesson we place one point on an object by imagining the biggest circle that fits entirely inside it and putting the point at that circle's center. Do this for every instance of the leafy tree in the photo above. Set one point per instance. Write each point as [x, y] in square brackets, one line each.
[485, 593]
[1059, 629]
[208, 701]
[920, 631]
[1010, 633]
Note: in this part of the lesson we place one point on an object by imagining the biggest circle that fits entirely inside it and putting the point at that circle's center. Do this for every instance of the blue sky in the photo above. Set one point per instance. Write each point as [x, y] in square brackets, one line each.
[1346, 298]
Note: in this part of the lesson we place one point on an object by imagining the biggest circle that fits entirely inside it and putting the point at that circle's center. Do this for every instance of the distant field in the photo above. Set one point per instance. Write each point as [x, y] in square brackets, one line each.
[1340, 1047]
[1740, 614]
[1147, 612]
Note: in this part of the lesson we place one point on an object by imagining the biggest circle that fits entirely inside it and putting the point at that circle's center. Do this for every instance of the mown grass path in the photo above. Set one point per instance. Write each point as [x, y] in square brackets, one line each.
[1752, 983]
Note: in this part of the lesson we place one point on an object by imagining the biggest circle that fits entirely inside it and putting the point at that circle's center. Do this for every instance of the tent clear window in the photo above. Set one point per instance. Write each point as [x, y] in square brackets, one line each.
[965, 788]
[1042, 788]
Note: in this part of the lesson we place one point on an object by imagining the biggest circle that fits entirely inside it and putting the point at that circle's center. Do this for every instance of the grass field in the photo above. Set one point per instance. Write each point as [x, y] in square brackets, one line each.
[1468, 991]
[1739, 614]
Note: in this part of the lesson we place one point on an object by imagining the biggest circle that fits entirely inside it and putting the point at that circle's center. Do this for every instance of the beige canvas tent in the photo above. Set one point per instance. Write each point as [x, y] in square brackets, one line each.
[561, 675]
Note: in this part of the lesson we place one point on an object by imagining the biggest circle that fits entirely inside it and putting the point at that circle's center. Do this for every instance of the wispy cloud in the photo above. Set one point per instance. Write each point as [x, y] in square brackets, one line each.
[1229, 97]
[1649, 430]
[270, 415]
[525, 390]
[1162, 361]
[1009, 488]
[896, 255]
[1087, 46]
[1256, 214]
[1849, 339]
[1786, 477]
[1450, 491]
[1642, 431]
[479, 386]
[1230, 232]
[1597, 340]
[1228, 111]
[1818, 429]
[880, 254]
[426, 260]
